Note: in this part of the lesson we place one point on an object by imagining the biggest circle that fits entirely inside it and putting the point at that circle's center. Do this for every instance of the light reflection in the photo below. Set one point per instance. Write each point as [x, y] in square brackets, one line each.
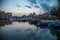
[23, 30]
[20, 25]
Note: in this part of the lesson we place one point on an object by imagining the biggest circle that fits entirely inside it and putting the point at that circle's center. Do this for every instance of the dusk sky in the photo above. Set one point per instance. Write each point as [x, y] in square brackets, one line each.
[27, 6]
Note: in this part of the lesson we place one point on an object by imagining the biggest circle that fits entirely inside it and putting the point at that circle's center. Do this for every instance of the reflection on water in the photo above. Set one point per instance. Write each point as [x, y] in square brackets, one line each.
[26, 31]
[55, 32]
[4, 22]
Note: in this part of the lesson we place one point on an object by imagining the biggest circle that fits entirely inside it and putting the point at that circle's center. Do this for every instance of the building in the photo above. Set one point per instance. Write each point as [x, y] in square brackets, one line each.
[5, 16]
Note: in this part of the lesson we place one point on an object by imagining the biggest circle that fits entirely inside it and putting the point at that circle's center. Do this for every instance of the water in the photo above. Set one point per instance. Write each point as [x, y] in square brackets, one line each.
[26, 31]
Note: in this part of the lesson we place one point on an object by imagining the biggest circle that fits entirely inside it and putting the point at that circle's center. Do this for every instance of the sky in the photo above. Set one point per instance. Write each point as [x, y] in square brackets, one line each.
[25, 7]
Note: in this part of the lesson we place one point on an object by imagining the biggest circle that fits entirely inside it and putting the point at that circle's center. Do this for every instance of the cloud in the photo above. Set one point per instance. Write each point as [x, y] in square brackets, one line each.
[28, 6]
[18, 5]
[32, 1]
[45, 6]
[37, 6]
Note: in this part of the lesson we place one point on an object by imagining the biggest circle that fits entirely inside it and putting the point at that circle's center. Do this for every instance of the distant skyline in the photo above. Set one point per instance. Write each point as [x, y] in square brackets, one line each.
[21, 7]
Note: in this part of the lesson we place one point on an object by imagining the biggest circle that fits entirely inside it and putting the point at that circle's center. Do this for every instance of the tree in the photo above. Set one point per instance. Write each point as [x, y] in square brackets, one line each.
[56, 11]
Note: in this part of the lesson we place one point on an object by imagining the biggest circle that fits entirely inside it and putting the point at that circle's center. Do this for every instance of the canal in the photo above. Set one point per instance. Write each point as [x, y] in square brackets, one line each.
[26, 31]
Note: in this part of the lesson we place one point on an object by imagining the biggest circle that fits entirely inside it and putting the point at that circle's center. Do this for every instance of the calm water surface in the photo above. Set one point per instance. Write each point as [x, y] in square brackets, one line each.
[25, 31]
